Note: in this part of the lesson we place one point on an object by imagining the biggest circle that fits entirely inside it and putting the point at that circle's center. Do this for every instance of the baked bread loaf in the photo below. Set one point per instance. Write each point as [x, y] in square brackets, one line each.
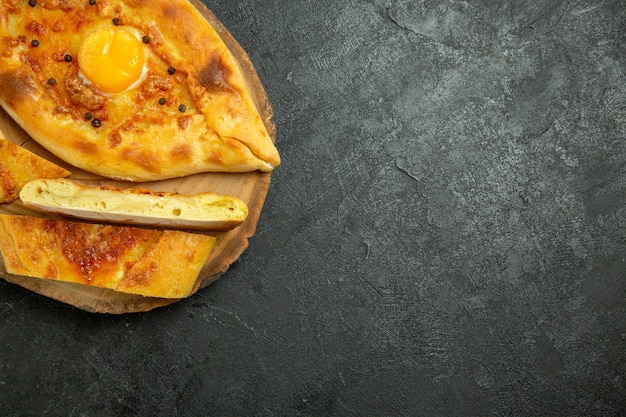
[134, 90]
[152, 263]
[19, 166]
[203, 211]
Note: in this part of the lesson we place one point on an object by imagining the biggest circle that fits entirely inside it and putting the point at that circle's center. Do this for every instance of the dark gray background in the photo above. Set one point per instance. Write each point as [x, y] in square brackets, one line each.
[445, 236]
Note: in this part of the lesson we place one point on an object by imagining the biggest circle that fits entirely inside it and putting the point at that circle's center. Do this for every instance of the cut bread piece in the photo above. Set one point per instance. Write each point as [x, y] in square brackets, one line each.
[203, 211]
[19, 166]
[151, 263]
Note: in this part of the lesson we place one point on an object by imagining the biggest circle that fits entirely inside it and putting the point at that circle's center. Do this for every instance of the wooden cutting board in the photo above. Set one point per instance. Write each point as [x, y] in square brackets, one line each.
[250, 187]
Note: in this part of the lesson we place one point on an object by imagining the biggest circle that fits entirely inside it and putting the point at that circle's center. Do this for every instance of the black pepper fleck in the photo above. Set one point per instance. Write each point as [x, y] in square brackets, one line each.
[88, 115]
[146, 39]
[92, 2]
[67, 58]
[171, 70]
[32, 3]
[34, 43]
[116, 21]
[52, 81]
[182, 108]
[96, 123]
[162, 101]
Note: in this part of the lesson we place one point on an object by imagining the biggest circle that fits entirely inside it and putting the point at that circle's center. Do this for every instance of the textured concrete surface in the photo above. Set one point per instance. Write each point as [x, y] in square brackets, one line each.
[445, 237]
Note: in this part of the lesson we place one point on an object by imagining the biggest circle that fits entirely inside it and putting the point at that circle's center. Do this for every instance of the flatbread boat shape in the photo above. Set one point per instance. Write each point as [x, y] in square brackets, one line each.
[136, 90]
[124, 259]
[137, 206]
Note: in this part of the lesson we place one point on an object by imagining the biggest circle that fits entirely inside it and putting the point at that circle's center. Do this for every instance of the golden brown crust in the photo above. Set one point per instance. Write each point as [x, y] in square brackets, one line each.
[124, 259]
[19, 166]
[220, 130]
[82, 94]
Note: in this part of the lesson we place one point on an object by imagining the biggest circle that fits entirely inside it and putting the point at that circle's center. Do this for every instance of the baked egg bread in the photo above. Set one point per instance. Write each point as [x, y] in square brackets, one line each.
[137, 90]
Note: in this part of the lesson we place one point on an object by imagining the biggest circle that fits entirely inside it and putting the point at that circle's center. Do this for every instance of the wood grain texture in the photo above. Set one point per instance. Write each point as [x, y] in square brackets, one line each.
[250, 187]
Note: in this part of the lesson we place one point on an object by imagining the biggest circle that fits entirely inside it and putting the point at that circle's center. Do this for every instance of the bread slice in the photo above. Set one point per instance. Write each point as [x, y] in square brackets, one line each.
[203, 211]
[19, 166]
[147, 262]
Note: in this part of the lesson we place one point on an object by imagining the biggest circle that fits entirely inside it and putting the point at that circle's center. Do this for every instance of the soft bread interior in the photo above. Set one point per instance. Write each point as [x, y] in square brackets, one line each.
[203, 211]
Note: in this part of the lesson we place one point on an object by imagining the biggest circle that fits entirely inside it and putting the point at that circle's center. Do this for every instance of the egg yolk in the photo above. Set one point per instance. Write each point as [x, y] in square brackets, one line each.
[111, 58]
